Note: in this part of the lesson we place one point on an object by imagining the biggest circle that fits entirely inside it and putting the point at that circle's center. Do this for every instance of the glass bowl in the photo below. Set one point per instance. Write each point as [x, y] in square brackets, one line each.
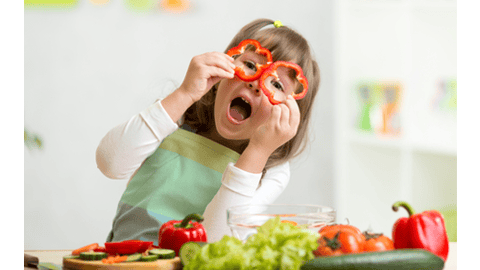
[244, 220]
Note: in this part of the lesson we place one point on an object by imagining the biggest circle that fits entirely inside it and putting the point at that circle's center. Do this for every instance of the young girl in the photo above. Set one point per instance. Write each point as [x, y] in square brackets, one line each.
[232, 147]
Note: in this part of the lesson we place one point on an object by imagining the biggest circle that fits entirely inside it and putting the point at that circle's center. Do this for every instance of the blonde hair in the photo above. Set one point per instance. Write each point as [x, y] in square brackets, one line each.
[287, 45]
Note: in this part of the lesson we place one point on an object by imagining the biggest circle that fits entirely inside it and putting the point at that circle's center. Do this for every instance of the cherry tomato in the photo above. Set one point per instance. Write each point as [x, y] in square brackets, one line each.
[377, 242]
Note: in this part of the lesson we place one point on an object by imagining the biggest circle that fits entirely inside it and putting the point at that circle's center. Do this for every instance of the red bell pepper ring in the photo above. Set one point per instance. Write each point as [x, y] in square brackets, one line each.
[145, 245]
[424, 230]
[174, 233]
[100, 249]
[240, 49]
[127, 247]
[272, 72]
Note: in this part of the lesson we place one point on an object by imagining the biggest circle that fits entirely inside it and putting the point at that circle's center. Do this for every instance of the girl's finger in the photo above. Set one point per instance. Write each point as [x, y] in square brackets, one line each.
[220, 60]
[275, 117]
[219, 72]
[285, 115]
[294, 111]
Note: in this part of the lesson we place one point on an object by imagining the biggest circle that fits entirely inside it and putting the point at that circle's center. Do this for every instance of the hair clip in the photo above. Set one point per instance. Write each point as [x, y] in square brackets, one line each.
[277, 24]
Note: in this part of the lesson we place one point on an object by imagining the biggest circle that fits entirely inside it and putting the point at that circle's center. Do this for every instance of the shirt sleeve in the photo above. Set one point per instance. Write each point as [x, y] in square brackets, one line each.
[240, 188]
[124, 148]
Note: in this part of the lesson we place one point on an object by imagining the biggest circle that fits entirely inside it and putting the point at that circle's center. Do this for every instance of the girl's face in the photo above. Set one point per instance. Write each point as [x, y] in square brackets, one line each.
[241, 107]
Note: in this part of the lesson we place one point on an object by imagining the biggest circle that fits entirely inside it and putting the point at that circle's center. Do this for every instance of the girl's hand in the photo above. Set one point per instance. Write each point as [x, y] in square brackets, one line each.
[279, 128]
[204, 71]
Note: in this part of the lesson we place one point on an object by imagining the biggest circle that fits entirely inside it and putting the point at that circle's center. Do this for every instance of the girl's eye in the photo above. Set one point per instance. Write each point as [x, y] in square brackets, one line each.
[251, 65]
[277, 85]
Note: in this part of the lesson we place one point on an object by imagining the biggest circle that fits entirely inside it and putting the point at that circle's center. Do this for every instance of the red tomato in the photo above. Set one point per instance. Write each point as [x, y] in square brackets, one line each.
[377, 242]
[339, 239]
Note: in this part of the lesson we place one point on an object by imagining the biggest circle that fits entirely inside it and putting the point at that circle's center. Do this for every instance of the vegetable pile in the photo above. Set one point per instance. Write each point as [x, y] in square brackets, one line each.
[124, 251]
[419, 242]
[341, 239]
[276, 245]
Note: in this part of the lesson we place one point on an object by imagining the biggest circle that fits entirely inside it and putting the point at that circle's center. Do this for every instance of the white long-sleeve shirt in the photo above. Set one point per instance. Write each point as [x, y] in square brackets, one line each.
[124, 149]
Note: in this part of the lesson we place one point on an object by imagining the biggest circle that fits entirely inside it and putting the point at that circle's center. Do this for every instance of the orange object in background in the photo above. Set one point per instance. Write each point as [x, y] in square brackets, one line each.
[175, 6]
[290, 221]
[390, 109]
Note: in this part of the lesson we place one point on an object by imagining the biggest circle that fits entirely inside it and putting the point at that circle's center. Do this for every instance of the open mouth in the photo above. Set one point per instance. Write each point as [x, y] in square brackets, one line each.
[240, 109]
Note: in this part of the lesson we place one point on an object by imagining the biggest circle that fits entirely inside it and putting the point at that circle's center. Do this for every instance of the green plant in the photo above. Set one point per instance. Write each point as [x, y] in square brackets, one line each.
[32, 140]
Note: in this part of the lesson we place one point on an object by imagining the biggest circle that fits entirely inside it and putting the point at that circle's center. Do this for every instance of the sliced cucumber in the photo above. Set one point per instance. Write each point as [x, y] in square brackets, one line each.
[188, 250]
[162, 253]
[92, 256]
[134, 257]
[149, 258]
[72, 257]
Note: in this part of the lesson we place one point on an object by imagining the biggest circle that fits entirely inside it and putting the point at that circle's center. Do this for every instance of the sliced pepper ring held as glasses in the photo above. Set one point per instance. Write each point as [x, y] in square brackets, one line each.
[240, 49]
[271, 71]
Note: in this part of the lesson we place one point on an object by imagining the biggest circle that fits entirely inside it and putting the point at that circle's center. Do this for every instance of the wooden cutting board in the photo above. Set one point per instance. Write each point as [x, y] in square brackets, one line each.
[170, 264]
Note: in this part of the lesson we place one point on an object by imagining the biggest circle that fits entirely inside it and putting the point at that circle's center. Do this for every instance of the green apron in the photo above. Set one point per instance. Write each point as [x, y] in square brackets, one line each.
[181, 177]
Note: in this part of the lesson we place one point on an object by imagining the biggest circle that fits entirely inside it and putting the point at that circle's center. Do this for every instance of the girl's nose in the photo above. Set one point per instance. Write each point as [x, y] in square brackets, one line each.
[254, 86]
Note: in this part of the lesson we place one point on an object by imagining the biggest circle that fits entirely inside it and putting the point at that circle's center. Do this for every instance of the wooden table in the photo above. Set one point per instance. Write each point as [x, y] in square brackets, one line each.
[56, 256]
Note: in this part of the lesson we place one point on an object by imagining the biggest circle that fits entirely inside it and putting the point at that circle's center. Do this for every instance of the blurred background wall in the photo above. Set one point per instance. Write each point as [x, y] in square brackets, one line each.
[92, 64]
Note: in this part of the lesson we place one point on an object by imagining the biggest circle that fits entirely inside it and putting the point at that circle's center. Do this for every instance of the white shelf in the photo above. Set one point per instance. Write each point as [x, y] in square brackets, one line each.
[412, 42]
[400, 143]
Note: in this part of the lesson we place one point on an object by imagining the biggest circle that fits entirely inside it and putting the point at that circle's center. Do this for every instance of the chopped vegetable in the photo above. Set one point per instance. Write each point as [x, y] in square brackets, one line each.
[240, 49]
[424, 230]
[149, 258]
[145, 245]
[100, 249]
[134, 257]
[86, 248]
[92, 256]
[271, 71]
[162, 253]
[114, 259]
[276, 245]
[127, 247]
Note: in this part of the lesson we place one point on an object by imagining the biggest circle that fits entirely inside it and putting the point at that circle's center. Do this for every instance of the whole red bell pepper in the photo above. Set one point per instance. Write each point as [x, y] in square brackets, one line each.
[174, 233]
[424, 230]
[240, 49]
